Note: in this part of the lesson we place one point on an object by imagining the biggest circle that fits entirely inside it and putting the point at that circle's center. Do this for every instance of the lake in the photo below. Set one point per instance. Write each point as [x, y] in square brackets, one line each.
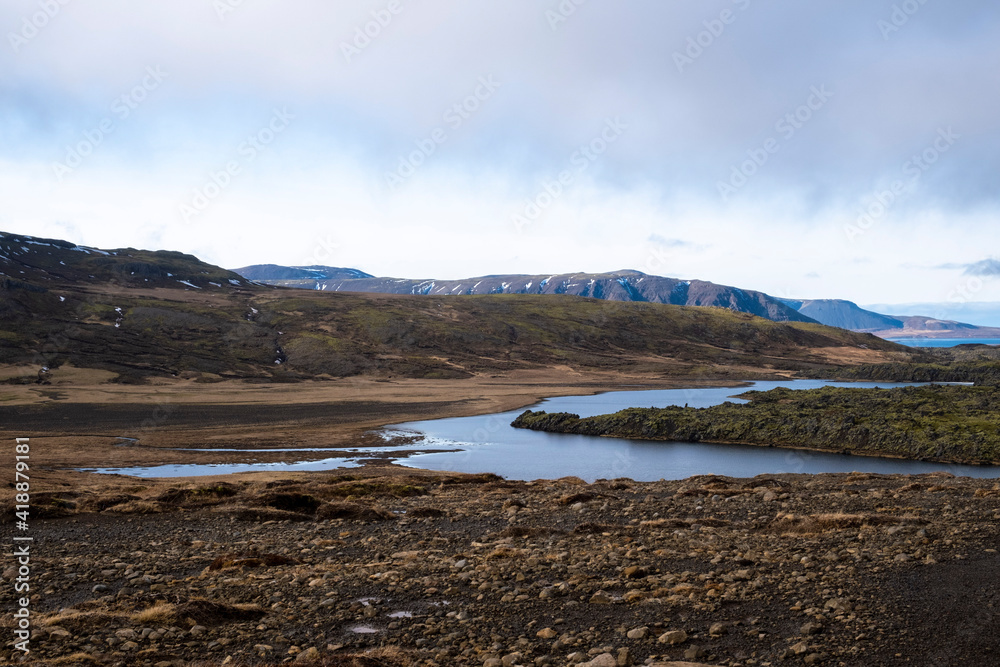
[488, 443]
[943, 342]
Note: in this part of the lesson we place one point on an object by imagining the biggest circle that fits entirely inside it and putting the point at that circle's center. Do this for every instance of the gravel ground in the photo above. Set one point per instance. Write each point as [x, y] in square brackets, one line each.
[852, 569]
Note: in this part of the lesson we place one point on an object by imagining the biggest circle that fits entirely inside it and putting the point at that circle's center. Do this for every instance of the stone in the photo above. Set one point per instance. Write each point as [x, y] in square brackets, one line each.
[717, 629]
[810, 629]
[634, 572]
[308, 655]
[546, 633]
[511, 659]
[673, 637]
[638, 633]
[839, 606]
[694, 653]
[603, 660]
[600, 597]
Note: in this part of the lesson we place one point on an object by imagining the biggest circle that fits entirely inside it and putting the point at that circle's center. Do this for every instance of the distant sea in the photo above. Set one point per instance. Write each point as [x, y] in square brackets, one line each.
[943, 342]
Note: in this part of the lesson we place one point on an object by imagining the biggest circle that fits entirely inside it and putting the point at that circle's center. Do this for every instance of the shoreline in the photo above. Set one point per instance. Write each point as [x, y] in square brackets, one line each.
[84, 426]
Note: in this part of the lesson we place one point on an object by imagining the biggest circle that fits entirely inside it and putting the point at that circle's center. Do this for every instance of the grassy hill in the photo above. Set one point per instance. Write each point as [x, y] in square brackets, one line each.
[944, 423]
[142, 314]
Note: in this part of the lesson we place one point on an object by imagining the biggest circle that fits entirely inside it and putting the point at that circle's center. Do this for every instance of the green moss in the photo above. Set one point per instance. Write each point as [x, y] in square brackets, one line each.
[950, 423]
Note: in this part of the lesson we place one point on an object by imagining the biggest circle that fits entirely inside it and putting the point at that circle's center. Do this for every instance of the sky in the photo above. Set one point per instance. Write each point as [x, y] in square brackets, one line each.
[824, 149]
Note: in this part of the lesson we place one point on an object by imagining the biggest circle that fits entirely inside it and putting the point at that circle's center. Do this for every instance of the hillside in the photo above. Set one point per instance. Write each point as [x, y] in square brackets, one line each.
[297, 276]
[142, 314]
[930, 327]
[848, 315]
[614, 286]
[945, 423]
[43, 263]
[843, 314]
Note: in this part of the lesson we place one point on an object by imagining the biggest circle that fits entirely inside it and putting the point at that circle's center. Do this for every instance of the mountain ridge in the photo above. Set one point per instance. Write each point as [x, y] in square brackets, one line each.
[623, 285]
[848, 315]
[143, 314]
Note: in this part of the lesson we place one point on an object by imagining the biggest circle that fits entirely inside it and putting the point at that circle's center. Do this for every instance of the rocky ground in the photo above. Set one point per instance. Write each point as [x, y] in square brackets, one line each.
[393, 568]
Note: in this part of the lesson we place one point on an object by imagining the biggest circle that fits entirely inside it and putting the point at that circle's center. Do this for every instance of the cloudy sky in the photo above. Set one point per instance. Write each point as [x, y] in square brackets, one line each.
[831, 148]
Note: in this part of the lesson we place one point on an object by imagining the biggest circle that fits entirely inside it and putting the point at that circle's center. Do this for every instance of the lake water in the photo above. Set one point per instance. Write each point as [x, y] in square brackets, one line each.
[943, 342]
[488, 443]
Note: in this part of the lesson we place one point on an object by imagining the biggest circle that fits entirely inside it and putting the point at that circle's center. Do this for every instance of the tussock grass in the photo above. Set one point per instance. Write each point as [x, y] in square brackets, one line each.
[821, 523]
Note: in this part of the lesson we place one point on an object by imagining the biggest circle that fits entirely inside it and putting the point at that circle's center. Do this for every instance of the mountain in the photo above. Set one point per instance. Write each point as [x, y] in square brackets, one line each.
[297, 276]
[143, 315]
[615, 286]
[918, 326]
[980, 313]
[843, 314]
[848, 315]
[49, 262]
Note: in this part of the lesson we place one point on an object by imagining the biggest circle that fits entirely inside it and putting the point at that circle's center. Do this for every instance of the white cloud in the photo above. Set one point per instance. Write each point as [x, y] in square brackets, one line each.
[649, 202]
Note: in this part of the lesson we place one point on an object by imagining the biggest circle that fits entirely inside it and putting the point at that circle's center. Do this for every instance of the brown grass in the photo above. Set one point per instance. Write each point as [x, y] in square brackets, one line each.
[250, 561]
[821, 523]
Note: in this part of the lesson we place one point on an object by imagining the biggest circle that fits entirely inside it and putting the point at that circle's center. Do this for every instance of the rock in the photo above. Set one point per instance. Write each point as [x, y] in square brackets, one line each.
[99, 588]
[600, 597]
[638, 633]
[800, 648]
[624, 657]
[198, 630]
[492, 662]
[810, 629]
[309, 655]
[814, 658]
[694, 653]
[673, 637]
[603, 660]
[634, 572]
[839, 606]
[546, 633]
[511, 659]
[717, 629]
